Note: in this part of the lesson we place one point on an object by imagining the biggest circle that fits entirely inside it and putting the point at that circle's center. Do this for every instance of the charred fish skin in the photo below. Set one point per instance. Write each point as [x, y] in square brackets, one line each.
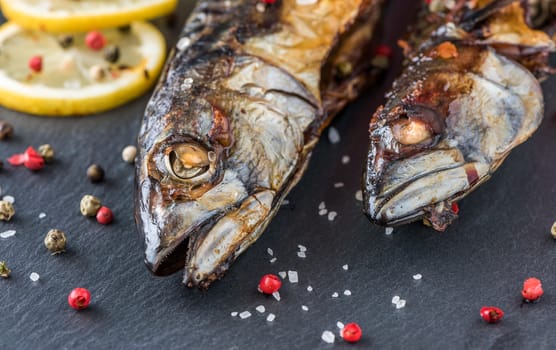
[466, 98]
[232, 123]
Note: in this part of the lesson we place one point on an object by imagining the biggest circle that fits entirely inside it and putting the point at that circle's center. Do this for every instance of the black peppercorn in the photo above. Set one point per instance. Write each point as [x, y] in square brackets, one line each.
[95, 173]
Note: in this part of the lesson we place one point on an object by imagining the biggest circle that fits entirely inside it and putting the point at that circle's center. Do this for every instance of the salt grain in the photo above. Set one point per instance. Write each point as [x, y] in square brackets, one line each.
[323, 212]
[183, 43]
[333, 134]
[338, 185]
[332, 215]
[7, 234]
[34, 277]
[270, 251]
[334, 295]
[340, 325]
[395, 299]
[260, 7]
[261, 309]
[400, 304]
[42, 215]
[388, 231]
[273, 260]
[347, 292]
[417, 276]
[322, 205]
[276, 295]
[293, 277]
[244, 315]
[359, 195]
[328, 337]
[234, 314]
[345, 267]
[285, 202]
[345, 159]
[271, 317]
[309, 289]
[302, 255]
[304, 308]
[9, 199]
[187, 84]
[282, 274]
[302, 248]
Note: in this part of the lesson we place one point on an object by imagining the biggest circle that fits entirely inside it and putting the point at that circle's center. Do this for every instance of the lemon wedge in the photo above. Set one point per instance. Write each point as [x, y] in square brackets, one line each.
[63, 75]
[82, 15]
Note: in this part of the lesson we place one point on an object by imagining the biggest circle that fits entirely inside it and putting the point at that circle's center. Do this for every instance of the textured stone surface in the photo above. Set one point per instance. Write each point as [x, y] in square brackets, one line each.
[502, 237]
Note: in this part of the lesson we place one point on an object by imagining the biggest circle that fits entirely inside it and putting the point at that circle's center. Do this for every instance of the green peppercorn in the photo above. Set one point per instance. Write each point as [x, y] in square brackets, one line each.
[90, 205]
[6, 130]
[344, 70]
[7, 210]
[4, 270]
[112, 54]
[47, 152]
[55, 241]
[95, 173]
[65, 41]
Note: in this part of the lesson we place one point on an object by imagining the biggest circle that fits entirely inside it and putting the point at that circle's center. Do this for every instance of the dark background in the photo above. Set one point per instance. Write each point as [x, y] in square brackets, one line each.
[502, 237]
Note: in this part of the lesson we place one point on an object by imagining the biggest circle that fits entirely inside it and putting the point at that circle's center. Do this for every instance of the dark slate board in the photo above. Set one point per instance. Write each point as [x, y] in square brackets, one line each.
[501, 238]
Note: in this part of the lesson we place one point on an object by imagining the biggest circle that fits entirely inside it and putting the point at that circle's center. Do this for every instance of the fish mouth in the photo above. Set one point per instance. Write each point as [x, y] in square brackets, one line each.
[403, 190]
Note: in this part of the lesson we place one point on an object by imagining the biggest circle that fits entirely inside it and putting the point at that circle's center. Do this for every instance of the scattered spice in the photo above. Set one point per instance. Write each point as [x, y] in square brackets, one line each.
[455, 208]
[65, 41]
[553, 230]
[31, 159]
[328, 337]
[79, 298]
[112, 54]
[47, 152]
[97, 72]
[4, 270]
[447, 50]
[129, 153]
[105, 216]
[95, 40]
[35, 63]
[344, 70]
[95, 173]
[532, 290]
[34, 277]
[55, 241]
[271, 317]
[491, 314]
[6, 130]
[89, 205]
[351, 332]
[269, 284]
[7, 210]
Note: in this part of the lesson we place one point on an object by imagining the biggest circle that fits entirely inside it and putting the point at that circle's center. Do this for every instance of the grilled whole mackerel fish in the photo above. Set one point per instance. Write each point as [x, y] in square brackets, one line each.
[230, 128]
[468, 95]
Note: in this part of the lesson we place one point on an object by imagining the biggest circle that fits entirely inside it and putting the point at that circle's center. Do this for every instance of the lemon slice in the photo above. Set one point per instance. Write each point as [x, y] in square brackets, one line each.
[82, 15]
[45, 74]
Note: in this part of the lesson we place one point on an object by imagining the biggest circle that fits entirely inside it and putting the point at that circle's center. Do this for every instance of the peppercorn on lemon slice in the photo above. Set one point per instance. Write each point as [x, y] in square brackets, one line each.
[82, 15]
[63, 75]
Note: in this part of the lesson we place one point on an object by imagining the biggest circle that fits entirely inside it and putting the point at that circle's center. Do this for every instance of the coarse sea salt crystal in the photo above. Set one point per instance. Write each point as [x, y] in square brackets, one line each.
[388, 231]
[345, 159]
[347, 292]
[322, 205]
[34, 276]
[335, 295]
[332, 215]
[306, 2]
[9, 199]
[340, 325]
[309, 289]
[304, 308]
[400, 304]
[285, 202]
[293, 277]
[328, 337]
[395, 299]
[333, 134]
[338, 185]
[323, 212]
[261, 309]
[270, 251]
[234, 314]
[183, 43]
[282, 274]
[417, 276]
[7, 234]
[345, 267]
[302, 248]
[359, 195]
[273, 260]
[42, 215]
[187, 84]
[276, 295]
[302, 255]
[244, 315]
[271, 317]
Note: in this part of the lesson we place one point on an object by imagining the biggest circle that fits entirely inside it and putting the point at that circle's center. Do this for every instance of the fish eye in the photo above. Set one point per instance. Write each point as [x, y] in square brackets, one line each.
[188, 161]
[411, 131]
